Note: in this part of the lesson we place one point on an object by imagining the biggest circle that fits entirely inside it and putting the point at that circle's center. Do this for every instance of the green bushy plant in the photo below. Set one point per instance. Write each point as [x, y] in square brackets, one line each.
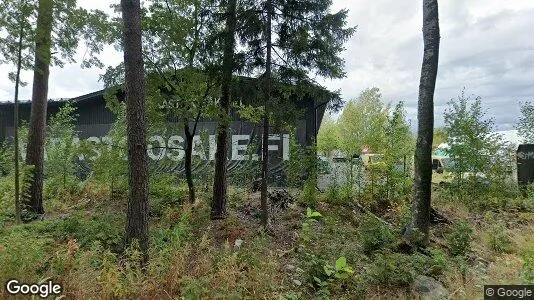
[108, 160]
[459, 239]
[527, 272]
[61, 149]
[306, 230]
[23, 254]
[498, 238]
[6, 159]
[106, 229]
[308, 195]
[397, 269]
[339, 194]
[374, 234]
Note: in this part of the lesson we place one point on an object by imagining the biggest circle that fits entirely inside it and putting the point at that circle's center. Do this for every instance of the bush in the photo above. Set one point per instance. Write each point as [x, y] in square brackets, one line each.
[6, 159]
[498, 238]
[459, 239]
[397, 269]
[23, 255]
[374, 234]
[308, 196]
[527, 273]
[106, 229]
[338, 194]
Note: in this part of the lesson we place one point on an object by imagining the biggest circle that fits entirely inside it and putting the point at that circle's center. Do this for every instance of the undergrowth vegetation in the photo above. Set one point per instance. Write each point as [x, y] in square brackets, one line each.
[342, 242]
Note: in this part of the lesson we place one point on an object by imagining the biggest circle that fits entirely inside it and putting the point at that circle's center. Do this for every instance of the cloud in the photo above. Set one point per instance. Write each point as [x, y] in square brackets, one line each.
[486, 47]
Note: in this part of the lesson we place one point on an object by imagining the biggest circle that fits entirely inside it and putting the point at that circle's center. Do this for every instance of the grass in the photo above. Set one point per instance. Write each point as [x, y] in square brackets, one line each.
[79, 245]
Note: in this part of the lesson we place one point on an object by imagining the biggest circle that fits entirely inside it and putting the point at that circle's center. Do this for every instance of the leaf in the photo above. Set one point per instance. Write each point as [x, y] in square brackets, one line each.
[328, 270]
[312, 214]
[341, 263]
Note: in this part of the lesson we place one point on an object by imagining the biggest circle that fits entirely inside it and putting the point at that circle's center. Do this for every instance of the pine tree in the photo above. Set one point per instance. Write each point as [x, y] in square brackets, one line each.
[54, 34]
[14, 20]
[218, 205]
[286, 41]
[137, 213]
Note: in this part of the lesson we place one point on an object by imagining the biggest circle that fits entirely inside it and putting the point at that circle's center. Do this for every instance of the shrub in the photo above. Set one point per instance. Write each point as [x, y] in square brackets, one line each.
[459, 239]
[374, 234]
[23, 255]
[390, 269]
[339, 194]
[397, 269]
[308, 196]
[498, 238]
[6, 161]
[527, 273]
[106, 229]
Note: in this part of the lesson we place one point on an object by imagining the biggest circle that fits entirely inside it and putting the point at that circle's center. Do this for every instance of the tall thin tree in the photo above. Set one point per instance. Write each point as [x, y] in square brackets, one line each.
[266, 102]
[137, 212]
[418, 230]
[18, 208]
[218, 205]
[55, 33]
[288, 40]
[37, 125]
[15, 48]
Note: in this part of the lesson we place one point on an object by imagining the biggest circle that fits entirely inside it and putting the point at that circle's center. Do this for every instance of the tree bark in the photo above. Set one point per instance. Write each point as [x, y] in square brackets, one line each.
[137, 213]
[218, 205]
[37, 126]
[265, 137]
[18, 209]
[418, 230]
[188, 161]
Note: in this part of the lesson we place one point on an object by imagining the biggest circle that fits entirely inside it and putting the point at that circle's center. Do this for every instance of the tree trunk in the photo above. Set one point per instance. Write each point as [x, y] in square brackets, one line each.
[137, 213]
[265, 137]
[37, 126]
[418, 229]
[218, 205]
[18, 209]
[188, 161]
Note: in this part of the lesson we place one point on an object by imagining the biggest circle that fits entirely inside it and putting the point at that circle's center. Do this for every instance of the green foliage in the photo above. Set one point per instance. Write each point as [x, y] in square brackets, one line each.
[526, 122]
[396, 269]
[106, 229]
[374, 234]
[440, 136]
[306, 230]
[308, 195]
[479, 155]
[167, 187]
[108, 160]
[323, 274]
[498, 238]
[459, 239]
[527, 272]
[301, 167]
[62, 150]
[339, 194]
[329, 136]
[6, 159]
[70, 24]
[362, 123]
[308, 38]
[23, 255]
[340, 270]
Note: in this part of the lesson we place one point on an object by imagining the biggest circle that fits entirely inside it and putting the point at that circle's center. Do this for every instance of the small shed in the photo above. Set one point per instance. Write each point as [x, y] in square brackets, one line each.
[525, 164]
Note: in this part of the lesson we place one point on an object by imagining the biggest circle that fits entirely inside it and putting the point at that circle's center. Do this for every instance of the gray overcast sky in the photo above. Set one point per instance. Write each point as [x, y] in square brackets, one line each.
[486, 47]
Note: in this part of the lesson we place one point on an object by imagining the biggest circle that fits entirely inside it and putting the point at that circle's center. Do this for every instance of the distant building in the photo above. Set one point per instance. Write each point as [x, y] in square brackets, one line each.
[95, 120]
